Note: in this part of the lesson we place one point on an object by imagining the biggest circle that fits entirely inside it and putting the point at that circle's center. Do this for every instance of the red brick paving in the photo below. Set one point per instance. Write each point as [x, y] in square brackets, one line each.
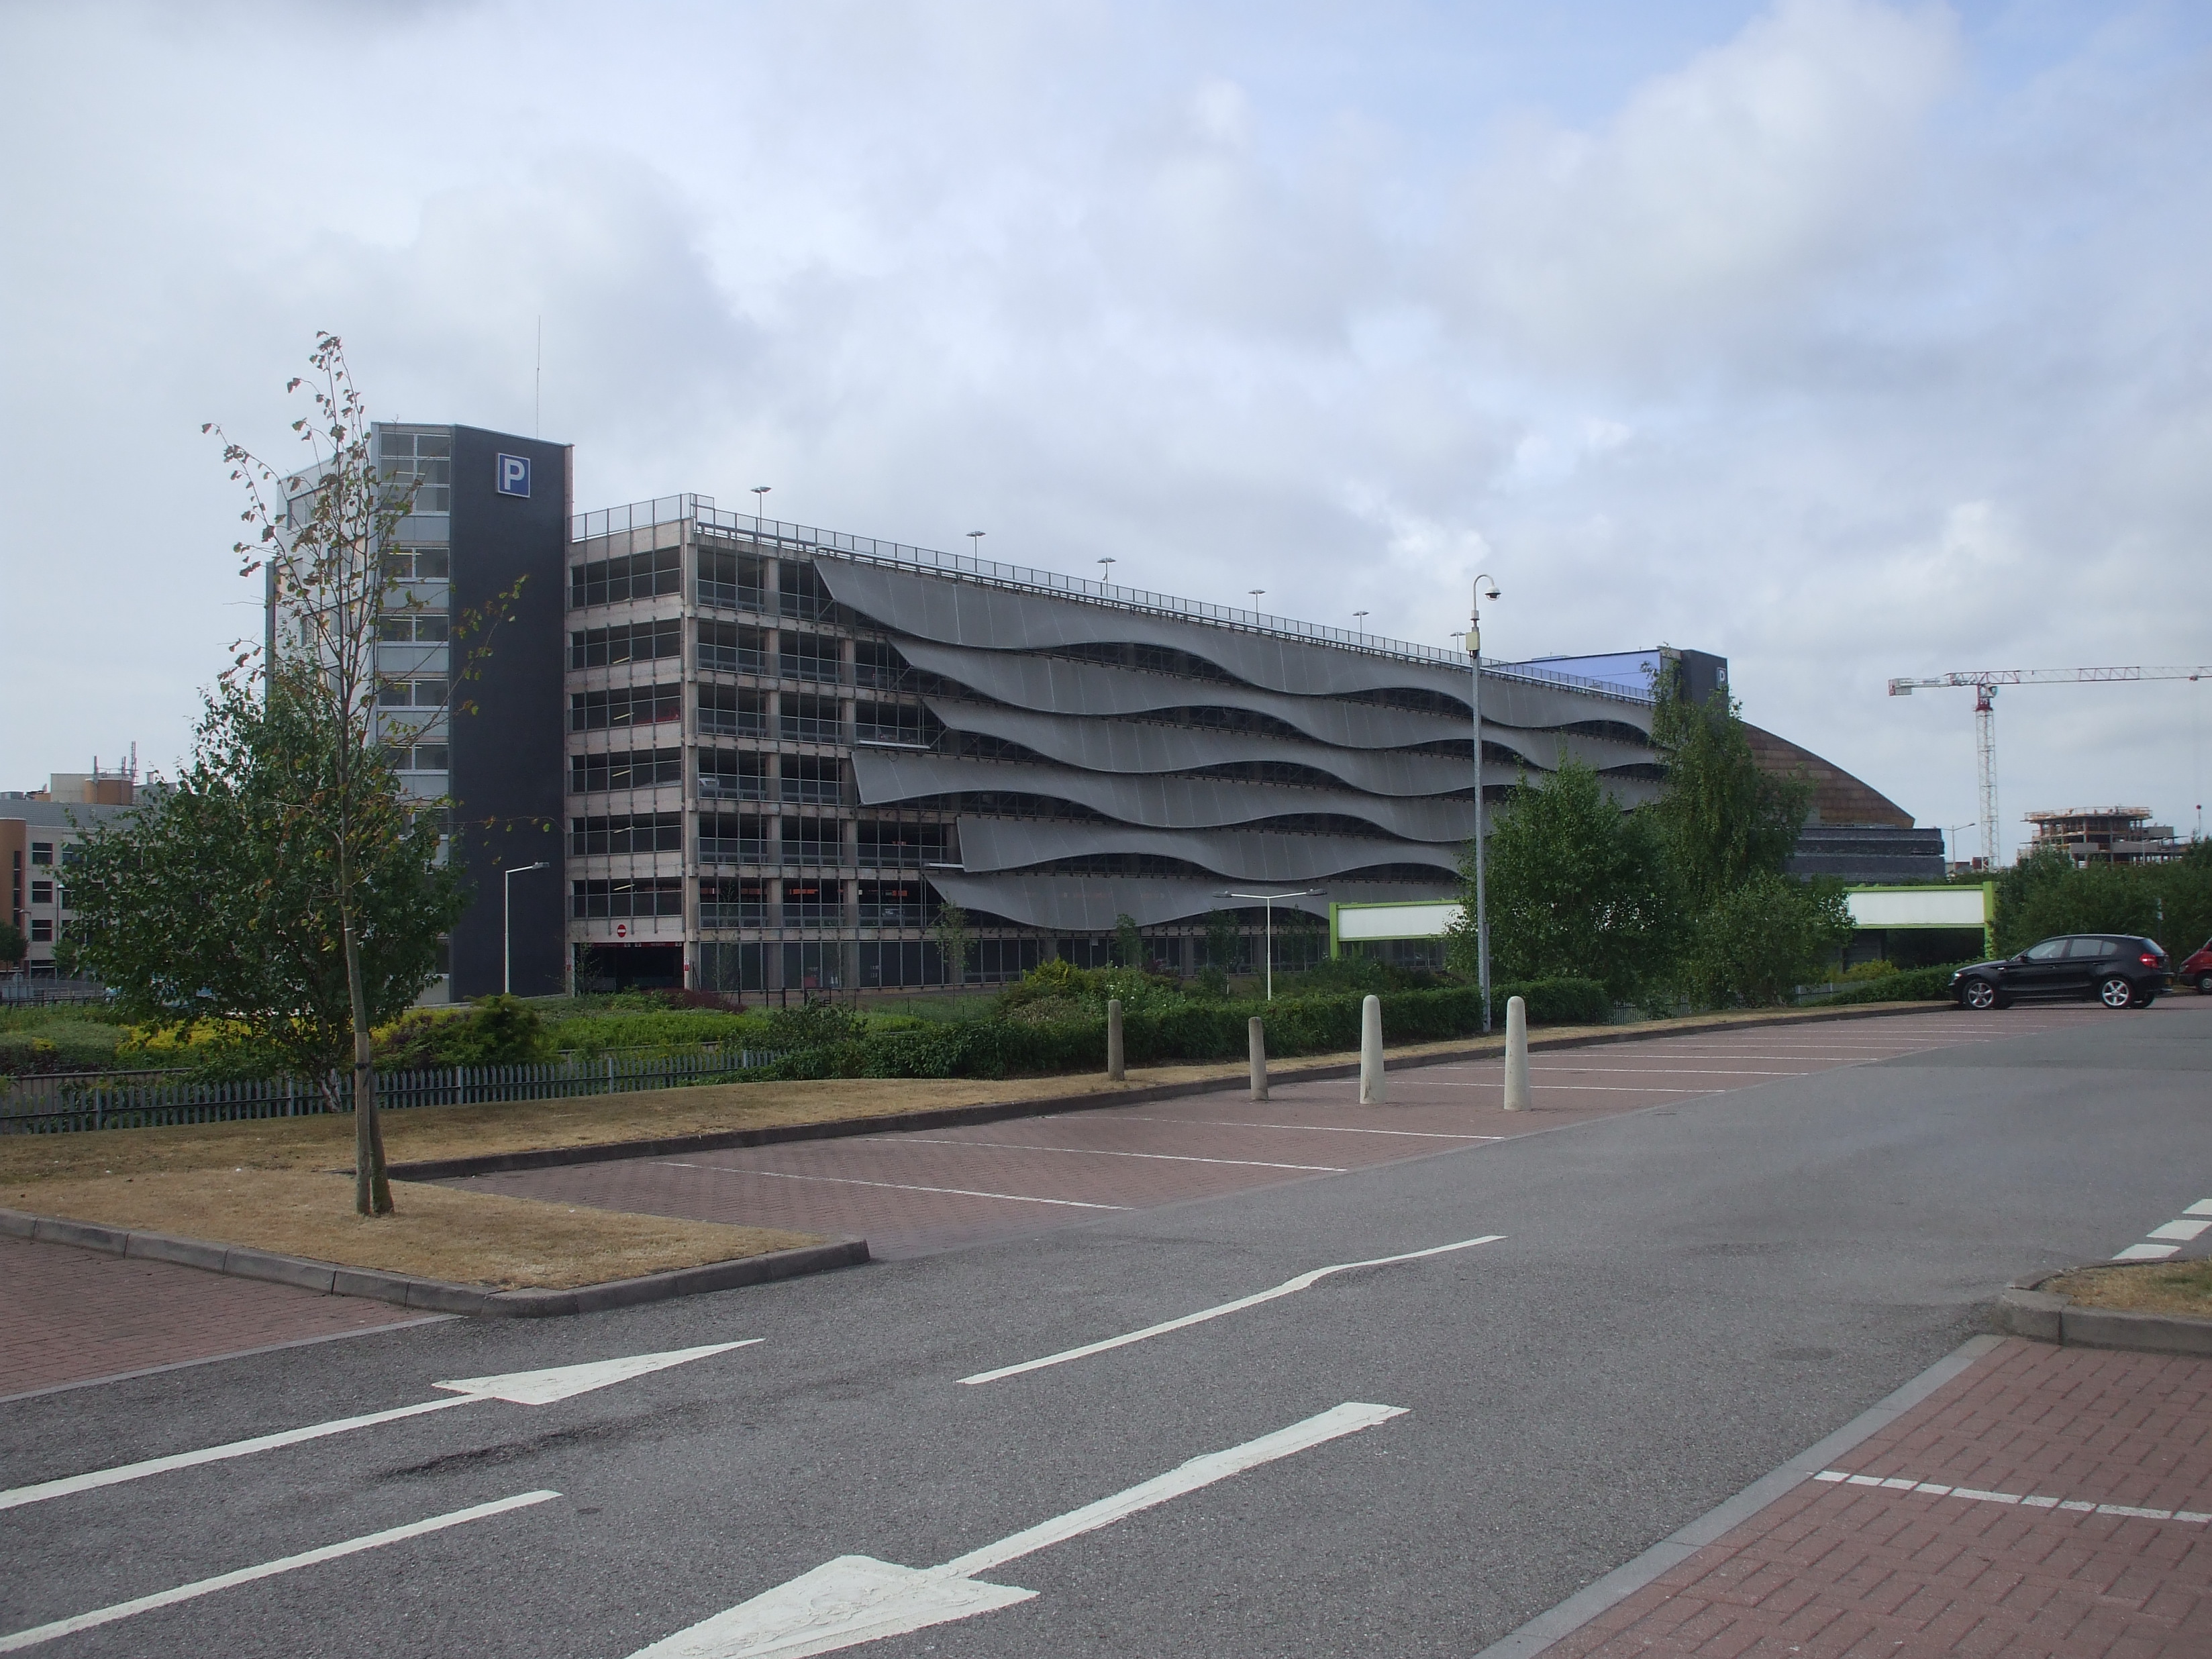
[1837, 1569]
[67, 1315]
[912, 1193]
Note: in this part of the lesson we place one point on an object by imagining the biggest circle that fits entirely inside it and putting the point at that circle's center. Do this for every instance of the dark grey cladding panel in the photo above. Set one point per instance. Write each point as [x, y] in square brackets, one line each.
[886, 776]
[1247, 855]
[1107, 745]
[1003, 619]
[1057, 684]
[1091, 904]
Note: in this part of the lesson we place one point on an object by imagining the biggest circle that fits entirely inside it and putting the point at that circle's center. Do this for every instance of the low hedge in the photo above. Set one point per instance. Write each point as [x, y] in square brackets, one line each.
[1193, 1032]
[1912, 985]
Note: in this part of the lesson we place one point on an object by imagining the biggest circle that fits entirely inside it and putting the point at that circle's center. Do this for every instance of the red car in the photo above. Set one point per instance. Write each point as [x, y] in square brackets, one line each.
[2197, 970]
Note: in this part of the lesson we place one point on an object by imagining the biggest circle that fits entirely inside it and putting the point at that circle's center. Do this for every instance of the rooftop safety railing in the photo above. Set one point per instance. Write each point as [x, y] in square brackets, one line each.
[774, 534]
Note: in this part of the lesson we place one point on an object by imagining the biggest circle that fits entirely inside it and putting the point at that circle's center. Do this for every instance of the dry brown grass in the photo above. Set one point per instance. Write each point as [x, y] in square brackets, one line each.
[470, 1239]
[2155, 1287]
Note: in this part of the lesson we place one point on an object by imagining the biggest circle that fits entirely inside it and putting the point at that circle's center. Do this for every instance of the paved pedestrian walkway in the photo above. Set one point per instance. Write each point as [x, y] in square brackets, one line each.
[2047, 1501]
[70, 1316]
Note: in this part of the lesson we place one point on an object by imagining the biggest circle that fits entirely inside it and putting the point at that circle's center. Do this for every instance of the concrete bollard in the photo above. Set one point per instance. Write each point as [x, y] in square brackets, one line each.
[1371, 1052]
[1258, 1041]
[1516, 1054]
[1114, 1069]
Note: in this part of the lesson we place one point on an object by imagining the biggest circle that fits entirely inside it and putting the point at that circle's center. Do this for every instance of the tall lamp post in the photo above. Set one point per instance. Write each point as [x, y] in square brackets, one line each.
[1485, 587]
[1271, 900]
[506, 931]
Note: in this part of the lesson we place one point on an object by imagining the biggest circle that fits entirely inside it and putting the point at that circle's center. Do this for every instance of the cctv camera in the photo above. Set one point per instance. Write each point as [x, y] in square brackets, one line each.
[1491, 594]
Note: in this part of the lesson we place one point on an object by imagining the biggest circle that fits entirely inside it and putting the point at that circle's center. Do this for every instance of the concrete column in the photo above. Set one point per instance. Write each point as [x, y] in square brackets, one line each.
[1257, 1036]
[1516, 1054]
[1371, 1052]
[1114, 1070]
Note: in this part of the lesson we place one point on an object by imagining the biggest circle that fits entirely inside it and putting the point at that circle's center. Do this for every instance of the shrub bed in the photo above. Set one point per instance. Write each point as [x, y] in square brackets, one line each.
[1190, 1031]
[1912, 985]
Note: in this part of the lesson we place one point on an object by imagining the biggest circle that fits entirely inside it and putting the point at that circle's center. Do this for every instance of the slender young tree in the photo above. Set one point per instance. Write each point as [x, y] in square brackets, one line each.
[318, 536]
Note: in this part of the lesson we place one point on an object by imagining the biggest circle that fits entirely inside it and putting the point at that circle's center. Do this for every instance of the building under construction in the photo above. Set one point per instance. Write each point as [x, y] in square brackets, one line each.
[2107, 834]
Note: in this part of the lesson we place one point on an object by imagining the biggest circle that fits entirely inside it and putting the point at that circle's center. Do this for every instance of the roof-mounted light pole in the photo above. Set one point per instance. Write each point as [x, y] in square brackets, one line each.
[1485, 587]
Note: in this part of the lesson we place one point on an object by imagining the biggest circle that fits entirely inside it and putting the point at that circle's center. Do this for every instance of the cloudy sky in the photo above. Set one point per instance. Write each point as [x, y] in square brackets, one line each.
[1846, 339]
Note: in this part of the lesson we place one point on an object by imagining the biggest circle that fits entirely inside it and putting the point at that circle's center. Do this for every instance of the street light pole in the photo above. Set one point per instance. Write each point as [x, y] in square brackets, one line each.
[1269, 899]
[1483, 585]
[506, 931]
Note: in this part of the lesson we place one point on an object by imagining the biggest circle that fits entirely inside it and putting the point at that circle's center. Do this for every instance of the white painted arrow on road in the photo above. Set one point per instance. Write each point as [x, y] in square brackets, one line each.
[855, 1598]
[520, 1388]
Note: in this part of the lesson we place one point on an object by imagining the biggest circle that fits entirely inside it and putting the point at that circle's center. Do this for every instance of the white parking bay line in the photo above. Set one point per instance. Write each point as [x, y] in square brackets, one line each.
[1585, 1088]
[856, 1599]
[1288, 1287]
[39, 1633]
[2147, 1253]
[2202, 1207]
[2183, 1231]
[1097, 1151]
[1314, 1129]
[894, 1186]
[2024, 1500]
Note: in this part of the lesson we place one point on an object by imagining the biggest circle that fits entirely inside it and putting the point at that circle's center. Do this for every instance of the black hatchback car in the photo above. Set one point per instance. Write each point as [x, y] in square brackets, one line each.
[2121, 970]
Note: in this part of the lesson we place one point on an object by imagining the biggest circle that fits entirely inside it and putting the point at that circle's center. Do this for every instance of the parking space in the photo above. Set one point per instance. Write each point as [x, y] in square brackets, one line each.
[914, 1194]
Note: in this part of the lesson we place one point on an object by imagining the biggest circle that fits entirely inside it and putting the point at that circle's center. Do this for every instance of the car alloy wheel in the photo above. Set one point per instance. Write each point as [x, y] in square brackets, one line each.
[2204, 985]
[2116, 992]
[1980, 995]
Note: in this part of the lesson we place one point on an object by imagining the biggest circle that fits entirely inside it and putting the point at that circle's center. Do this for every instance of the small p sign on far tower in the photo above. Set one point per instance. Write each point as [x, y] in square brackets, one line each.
[512, 476]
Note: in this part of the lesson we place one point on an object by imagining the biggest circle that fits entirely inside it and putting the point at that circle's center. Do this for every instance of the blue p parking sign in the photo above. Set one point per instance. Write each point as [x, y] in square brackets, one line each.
[513, 477]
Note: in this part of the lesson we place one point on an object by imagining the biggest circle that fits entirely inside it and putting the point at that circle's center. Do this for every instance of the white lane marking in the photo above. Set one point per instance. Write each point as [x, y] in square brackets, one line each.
[2202, 1207]
[1578, 1088]
[855, 1599]
[2183, 1230]
[108, 1615]
[1316, 1128]
[1094, 1152]
[2023, 1500]
[897, 1186]
[1288, 1287]
[520, 1388]
[2147, 1253]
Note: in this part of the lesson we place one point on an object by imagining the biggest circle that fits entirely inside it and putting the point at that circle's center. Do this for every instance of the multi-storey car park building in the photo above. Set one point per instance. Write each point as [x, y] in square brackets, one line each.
[770, 756]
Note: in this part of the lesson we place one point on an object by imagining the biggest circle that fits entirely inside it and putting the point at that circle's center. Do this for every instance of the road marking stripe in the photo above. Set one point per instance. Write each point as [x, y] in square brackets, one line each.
[1202, 1471]
[1288, 1287]
[2022, 1500]
[855, 1599]
[1317, 1128]
[2180, 1230]
[1579, 1088]
[76, 1483]
[2147, 1252]
[539, 1388]
[895, 1186]
[32, 1637]
[2202, 1207]
[1094, 1151]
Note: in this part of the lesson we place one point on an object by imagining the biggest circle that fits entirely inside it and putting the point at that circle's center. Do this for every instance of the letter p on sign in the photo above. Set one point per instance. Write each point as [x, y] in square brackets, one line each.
[514, 475]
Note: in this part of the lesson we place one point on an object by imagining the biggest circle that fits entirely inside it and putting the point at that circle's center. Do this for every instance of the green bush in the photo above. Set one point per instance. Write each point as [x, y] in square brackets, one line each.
[1185, 1030]
[1763, 938]
[496, 1030]
[1912, 985]
[59, 1046]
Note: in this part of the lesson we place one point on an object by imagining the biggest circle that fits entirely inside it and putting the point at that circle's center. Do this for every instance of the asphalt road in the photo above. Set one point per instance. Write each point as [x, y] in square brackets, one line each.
[1681, 1300]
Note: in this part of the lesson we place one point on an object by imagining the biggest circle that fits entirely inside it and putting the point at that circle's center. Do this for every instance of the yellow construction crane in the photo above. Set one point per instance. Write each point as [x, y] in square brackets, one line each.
[1986, 681]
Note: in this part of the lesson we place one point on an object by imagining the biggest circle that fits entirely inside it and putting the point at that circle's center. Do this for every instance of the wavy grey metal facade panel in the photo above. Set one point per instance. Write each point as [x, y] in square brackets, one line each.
[1000, 619]
[1090, 904]
[886, 777]
[1099, 745]
[989, 845]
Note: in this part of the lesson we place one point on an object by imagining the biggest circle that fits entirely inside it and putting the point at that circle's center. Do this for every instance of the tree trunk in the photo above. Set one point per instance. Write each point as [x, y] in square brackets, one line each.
[372, 1187]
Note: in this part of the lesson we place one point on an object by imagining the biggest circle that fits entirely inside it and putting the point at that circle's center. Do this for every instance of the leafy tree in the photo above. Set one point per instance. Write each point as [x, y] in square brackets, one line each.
[13, 947]
[1577, 888]
[1224, 943]
[2045, 893]
[1763, 938]
[1129, 942]
[957, 940]
[214, 905]
[1725, 821]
